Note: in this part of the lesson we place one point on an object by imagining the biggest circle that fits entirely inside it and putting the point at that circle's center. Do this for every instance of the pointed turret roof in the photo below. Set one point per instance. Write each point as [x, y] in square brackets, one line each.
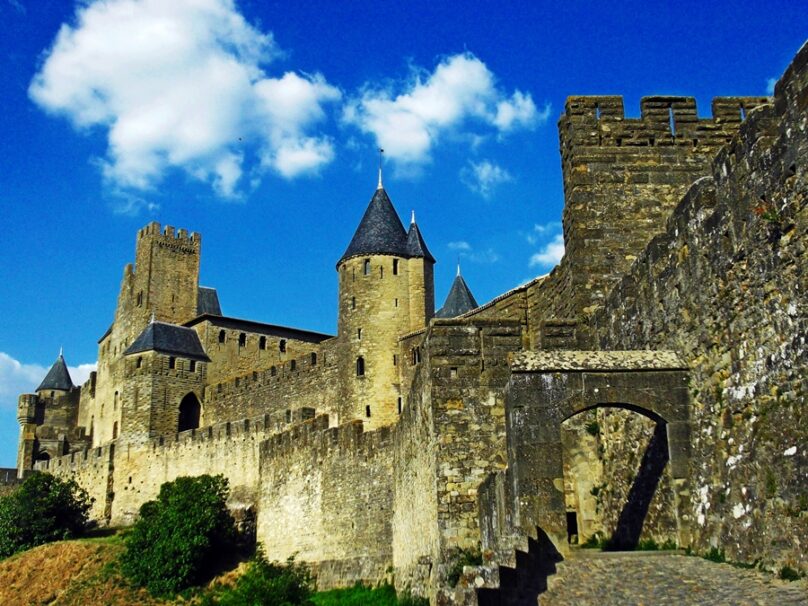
[380, 231]
[416, 247]
[169, 339]
[58, 377]
[459, 300]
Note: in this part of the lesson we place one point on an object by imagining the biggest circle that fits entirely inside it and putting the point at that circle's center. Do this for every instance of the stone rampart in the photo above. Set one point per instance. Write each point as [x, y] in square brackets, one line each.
[326, 496]
[725, 286]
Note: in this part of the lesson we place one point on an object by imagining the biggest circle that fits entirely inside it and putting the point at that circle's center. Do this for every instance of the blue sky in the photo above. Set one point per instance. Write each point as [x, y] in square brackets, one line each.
[257, 124]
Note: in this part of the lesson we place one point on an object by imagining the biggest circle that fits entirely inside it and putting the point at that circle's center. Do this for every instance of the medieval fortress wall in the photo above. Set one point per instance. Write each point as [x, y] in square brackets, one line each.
[683, 234]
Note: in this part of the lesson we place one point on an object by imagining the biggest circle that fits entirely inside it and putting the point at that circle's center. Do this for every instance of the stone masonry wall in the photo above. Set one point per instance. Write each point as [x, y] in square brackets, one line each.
[725, 285]
[326, 497]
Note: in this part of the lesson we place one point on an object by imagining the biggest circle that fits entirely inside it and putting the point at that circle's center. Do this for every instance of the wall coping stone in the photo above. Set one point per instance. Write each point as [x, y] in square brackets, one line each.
[604, 361]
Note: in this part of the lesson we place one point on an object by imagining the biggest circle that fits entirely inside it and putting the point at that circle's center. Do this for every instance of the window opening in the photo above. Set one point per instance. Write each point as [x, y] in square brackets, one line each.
[367, 411]
[671, 122]
[172, 362]
[367, 267]
[242, 340]
[395, 302]
[353, 302]
[360, 366]
[399, 404]
[262, 343]
[293, 365]
[381, 271]
[282, 346]
[190, 411]
[395, 267]
[359, 334]
[222, 336]
[115, 430]
[139, 362]
[192, 366]
[743, 113]
[395, 360]
[313, 358]
[273, 371]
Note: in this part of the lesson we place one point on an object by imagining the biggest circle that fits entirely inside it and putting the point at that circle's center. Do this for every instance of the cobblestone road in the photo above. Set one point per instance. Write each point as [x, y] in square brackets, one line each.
[652, 579]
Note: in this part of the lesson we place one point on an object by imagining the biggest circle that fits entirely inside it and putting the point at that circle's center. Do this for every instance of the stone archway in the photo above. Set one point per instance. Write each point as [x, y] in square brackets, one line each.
[190, 413]
[549, 387]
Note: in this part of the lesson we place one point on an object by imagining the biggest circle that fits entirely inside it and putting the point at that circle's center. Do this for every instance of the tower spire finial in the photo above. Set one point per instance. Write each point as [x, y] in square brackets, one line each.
[412, 217]
[380, 186]
[152, 318]
[458, 266]
[60, 351]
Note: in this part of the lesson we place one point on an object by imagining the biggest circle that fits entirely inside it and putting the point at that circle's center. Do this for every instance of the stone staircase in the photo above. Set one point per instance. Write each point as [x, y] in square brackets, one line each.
[521, 585]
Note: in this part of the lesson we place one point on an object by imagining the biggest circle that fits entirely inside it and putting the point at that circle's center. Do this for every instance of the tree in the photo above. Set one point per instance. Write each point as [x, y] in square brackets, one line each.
[43, 509]
[181, 537]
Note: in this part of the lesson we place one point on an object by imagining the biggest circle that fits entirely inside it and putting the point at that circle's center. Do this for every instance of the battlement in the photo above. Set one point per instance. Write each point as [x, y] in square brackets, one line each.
[600, 120]
[81, 459]
[315, 436]
[169, 233]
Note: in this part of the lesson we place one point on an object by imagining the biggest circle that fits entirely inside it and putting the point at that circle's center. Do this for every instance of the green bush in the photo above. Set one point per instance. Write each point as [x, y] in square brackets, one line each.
[43, 509]
[360, 595]
[787, 573]
[181, 538]
[715, 555]
[265, 584]
[465, 557]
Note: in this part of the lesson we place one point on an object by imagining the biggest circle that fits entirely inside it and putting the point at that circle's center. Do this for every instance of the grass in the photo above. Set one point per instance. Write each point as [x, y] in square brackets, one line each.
[360, 595]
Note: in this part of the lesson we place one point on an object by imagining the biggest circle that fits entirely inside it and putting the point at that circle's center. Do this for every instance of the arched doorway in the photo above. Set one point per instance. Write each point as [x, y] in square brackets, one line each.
[190, 412]
[549, 388]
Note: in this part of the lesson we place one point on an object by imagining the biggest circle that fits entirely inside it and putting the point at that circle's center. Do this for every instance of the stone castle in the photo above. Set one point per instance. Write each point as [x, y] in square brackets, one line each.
[652, 385]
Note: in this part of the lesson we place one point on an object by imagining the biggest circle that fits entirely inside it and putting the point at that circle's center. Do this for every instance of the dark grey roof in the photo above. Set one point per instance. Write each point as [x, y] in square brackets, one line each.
[458, 301]
[380, 231]
[207, 301]
[58, 377]
[416, 247]
[285, 332]
[169, 339]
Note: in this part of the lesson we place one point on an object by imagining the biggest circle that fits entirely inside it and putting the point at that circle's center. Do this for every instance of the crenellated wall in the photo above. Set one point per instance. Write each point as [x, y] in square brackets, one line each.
[725, 285]
[326, 497]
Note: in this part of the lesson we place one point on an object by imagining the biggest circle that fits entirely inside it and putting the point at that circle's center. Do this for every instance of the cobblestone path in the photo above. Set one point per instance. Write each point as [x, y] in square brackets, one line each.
[656, 578]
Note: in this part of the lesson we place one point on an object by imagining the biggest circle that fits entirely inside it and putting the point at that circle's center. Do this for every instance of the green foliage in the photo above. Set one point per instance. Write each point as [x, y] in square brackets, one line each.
[265, 584]
[715, 555]
[464, 557]
[789, 574]
[43, 509]
[180, 538]
[652, 545]
[593, 428]
[360, 595]
[596, 541]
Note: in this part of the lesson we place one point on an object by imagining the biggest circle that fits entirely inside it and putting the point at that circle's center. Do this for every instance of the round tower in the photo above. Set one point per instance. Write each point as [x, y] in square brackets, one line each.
[385, 290]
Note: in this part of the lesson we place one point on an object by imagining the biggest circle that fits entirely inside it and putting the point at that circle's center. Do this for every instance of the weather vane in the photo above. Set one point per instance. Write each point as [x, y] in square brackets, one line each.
[381, 151]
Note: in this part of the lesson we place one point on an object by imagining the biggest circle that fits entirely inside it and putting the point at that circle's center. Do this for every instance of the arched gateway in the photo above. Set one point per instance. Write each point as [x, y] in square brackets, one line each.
[190, 412]
[549, 387]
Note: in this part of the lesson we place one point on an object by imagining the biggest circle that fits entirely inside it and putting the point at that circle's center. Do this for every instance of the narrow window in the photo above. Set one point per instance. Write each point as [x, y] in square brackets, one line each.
[453, 372]
[353, 302]
[395, 267]
[288, 416]
[395, 360]
[115, 430]
[367, 411]
[313, 359]
[671, 122]
[262, 343]
[293, 365]
[273, 371]
[222, 336]
[282, 346]
[53, 393]
[140, 298]
[242, 340]
[367, 267]
[172, 362]
[139, 362]
[115, 401]
[359, 334]
[192, 365]
[360, 366]
[743, 113]
[381, 271]
[597, 111]
[399, 404]
[395, 302]
[219, 388]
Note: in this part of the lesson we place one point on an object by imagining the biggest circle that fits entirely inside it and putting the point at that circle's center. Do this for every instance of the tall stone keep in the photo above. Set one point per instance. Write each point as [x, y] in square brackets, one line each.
[386, 289]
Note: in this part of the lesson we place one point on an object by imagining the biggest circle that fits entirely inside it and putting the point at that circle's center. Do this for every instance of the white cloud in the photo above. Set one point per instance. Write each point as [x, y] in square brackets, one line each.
[770, 86]
[484, 177]
[550, 254]
[410, 121]
[17, 378]
[182, 84]
[461, 245]
[540, 230]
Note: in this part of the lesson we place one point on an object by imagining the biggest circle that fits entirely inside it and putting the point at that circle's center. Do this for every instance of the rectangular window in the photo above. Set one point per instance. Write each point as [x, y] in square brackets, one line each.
[367, 411]
[192, 366]
[395, 267]
[399, 405]
[172, 362]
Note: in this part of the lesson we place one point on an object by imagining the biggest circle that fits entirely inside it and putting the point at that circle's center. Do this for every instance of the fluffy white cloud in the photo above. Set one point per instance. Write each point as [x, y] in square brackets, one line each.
[17, 378]
[182, 84]
[460, 245]
[483, 177]
[408, 120]
[550, 254]
[466, 251]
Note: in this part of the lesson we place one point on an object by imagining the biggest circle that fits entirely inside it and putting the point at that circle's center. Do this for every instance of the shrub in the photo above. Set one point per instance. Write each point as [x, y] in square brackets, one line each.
[787, 573]
[715, 555]
[360, 595]
[181, 538]
[465, 557]
[265, 584]
[43, 509]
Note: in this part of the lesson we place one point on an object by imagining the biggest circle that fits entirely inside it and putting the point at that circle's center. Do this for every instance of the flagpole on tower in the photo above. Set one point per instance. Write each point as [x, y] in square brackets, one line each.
[380, 186]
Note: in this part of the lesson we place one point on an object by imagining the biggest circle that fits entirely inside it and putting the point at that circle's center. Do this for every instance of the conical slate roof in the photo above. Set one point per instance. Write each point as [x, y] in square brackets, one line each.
[380, 231]
[58, 377]
[458, 301]
[416, 247]
[169, 339]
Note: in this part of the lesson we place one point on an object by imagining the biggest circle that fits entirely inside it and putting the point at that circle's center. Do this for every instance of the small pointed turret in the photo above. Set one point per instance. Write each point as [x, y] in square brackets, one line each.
[58, 376]
[459, 300]
[416, 247]
[380, 231]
